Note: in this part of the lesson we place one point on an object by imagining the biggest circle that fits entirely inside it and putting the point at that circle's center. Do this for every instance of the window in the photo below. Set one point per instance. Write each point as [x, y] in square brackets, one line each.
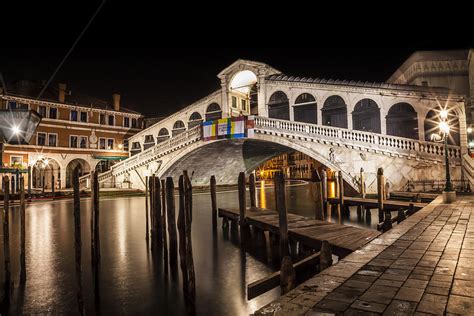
[149, 139]
[125, 144]
[73, 141]
[16, 160]
[126, 122]
[424, 83]
[41, 139]
[111, 120]
[23, 106]
[11, 105]
[73, 115]
[102, 143]
[135, 145]
[134, 123]
[110, 143]
[52, 140]
[84, 117]
[244, 104]
[234, 102]
[83, 142]
[102, 119]
[53, 113]
[42, 111]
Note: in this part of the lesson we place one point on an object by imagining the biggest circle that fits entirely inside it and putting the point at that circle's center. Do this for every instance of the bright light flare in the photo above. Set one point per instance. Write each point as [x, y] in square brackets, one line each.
[443, 114]
[16, 130]
[444, 127]
[469, 130]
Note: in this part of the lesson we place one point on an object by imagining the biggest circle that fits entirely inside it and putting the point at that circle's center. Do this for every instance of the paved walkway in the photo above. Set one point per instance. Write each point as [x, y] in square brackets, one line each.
[425, 265]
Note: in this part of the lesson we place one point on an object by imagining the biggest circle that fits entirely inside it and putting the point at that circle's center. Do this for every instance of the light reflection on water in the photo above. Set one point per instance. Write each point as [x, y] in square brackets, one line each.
[133, 279]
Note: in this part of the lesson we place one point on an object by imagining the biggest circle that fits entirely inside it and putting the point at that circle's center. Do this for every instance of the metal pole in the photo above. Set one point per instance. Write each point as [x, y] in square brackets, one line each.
[449, 185]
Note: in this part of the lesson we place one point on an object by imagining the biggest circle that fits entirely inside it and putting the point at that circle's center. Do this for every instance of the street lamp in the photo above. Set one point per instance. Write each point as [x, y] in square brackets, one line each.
[449, 195]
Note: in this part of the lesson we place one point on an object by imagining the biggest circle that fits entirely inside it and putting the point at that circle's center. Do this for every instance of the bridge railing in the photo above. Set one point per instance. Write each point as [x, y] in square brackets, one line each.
[397, 145]
[171, 143]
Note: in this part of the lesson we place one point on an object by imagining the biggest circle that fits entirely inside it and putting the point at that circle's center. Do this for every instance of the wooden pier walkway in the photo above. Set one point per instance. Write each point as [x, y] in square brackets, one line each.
[308, 231]
[389, 205]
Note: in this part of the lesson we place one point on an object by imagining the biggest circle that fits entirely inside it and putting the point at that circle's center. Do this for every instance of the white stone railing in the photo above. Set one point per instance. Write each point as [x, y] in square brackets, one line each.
[153, 153]
[374, 141]
[84, 181]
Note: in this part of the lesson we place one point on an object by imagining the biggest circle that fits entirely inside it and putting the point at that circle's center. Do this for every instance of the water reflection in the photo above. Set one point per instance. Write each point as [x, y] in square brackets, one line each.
[132, 279]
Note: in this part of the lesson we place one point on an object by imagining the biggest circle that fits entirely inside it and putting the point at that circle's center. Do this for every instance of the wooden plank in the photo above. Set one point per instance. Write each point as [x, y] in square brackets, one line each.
[261, 286]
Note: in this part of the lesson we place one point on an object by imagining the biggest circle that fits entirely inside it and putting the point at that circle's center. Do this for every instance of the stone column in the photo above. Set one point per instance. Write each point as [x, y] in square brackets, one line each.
[261, 88]
[63, 177]
[224, 98]
[421, 126]
[383, 122]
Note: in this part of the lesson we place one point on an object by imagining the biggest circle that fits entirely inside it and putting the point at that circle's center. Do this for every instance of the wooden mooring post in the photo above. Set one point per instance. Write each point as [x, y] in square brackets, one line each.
[146, 208]
[324, 184]
[214, 202]
[163, 216]
[22, 231]
[170, 213]
[52, 184]
[77, 240]
[252, 190]
[6, 238]
[182, 230]
[151, 191]
[157, 225]
[244, 228]
[287, 272]
[326, 255]
[317, 191]
[95, 234]
[342, 208]
[380, 192]
[188, 203]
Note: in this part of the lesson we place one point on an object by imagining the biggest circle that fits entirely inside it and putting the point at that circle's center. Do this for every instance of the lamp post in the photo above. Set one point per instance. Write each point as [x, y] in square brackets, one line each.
[449, 195]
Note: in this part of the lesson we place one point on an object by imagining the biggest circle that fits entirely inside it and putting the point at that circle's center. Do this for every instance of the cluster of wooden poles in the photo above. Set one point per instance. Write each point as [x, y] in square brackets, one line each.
[163, 230]
[384, 214]
[280, 242]
[8, 284]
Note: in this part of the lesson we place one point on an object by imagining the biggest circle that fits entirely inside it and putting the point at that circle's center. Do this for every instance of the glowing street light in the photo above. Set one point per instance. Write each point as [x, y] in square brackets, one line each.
[448, 195]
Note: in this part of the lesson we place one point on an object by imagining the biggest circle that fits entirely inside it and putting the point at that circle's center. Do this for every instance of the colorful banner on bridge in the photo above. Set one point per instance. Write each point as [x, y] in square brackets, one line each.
[232, 127]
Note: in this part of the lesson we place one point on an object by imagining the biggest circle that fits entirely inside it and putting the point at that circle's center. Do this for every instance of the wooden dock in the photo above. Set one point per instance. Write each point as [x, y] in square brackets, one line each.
[307, 231]
[389, 205]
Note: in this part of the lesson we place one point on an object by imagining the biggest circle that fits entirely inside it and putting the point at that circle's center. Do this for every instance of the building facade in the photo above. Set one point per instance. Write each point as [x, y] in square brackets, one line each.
[75, 131]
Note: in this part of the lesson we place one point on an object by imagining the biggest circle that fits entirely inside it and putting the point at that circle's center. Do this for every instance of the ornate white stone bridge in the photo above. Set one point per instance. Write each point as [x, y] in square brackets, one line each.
[345, 125]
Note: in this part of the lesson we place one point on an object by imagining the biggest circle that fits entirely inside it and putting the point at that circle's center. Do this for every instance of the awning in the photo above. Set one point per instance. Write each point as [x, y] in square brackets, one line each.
[112, 158]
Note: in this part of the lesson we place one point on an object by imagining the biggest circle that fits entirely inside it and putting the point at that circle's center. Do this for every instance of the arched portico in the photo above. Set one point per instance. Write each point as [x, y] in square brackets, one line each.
[84, 168]
[42, 174]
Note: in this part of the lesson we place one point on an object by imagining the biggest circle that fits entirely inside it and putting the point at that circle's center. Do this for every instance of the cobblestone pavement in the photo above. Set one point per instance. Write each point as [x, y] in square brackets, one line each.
[425, 265]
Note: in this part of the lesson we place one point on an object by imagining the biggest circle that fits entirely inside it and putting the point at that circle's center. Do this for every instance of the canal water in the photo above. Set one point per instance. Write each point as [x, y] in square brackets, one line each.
[133, 279]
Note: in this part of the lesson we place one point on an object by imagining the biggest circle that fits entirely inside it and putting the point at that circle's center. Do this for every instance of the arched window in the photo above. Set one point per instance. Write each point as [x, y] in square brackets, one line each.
[178, 128]
[213, 112]
[163, 135]
[279, 106]
[366, 116]
[335, 112]
[402, 121]
[431, 126]
[305, 109]
[194, 120]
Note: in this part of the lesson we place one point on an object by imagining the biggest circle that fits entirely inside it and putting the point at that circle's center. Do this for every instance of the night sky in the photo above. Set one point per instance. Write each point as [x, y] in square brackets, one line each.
[153, 57]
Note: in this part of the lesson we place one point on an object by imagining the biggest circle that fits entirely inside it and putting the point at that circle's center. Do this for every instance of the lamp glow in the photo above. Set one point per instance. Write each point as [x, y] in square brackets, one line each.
[443, 114]
[469, 130]
[120, 146]
[444, 127]
[16, 130]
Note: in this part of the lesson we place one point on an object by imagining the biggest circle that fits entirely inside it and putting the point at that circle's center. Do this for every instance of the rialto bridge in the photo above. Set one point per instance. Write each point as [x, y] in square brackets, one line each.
[345, 125]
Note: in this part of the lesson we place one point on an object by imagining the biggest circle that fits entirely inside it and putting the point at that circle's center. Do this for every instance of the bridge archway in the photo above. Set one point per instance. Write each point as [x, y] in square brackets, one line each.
[402, 121]
[84, 168]
[334, 112]
[431, 122]
[163, 135]
[243, 92]
[194, 120]
[226, 158]
[213, 112]
[366, 116]
[178, 128]
[279, 106]
[305, 109]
